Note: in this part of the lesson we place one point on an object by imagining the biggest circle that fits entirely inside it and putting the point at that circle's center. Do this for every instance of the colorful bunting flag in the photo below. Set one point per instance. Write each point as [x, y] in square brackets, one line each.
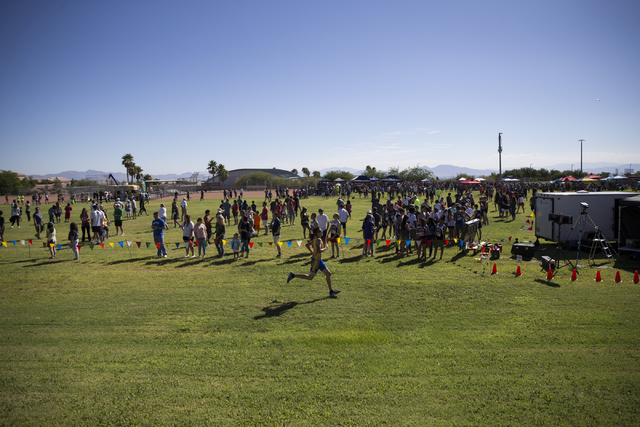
[346, 240]
[387, 242]
[122, 244]
[289, 242]
[251, 244]
[299, 242]
[111, 244]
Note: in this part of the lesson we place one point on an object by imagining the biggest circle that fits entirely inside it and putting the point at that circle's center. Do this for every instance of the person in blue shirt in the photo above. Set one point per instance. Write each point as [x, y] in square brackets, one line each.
[159, 226]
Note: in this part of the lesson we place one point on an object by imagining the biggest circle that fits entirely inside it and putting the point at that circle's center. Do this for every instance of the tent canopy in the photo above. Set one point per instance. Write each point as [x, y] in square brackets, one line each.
[361, 179]
[392, 178]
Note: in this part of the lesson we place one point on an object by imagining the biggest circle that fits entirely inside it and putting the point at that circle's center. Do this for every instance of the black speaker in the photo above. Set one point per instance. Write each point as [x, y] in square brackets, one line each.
[524, 249]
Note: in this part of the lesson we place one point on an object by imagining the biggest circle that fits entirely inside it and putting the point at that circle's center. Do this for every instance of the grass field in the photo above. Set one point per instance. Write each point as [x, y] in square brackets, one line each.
[121, 337]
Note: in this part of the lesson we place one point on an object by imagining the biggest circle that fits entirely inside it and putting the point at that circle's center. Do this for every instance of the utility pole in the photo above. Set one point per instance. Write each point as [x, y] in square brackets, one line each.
[581, 141]
[500, 154]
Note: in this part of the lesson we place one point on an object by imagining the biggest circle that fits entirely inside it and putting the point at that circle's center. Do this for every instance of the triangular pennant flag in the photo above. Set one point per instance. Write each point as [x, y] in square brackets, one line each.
[102, 245]
[14, 242]
[502, 240]
[59, 247]
[528, 222]
[346, 240]
[260, 244]
[387, 242]
[280, 244]
[138, 243]
[461, 243]
[196, 243]
[224, 242]
[177, 245]
[44, 244]
[91, 247]
[408, 242]
[337, 240]
[446, 242]
[455, 240]
[289, 242]
[377, 242]
[299, 242]
[30, 242]
[22, 241]
[158, 245]
[270, 243]
[111, 244]
[368, 241]
[4, 244]
[251, 245]
[530, 228]
[149, 244]
[79, 247]
[532, 215]
[215, 241]
[122, 244]
[418, 243]
[357, 241]
[68, 247]
[509, 238]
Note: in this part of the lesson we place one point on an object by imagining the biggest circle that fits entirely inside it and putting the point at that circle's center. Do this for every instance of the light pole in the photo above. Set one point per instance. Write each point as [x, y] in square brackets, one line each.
[500, 154]
[581, 141]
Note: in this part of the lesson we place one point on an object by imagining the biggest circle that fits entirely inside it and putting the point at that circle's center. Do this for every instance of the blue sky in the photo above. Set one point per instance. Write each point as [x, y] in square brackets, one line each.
[293, 84]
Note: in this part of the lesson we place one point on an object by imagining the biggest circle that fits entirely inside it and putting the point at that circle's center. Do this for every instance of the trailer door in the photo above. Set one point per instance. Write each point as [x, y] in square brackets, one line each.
[544, 227]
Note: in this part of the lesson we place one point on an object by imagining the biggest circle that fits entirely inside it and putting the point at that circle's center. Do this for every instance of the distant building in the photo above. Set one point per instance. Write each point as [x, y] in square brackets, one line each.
[236, 174]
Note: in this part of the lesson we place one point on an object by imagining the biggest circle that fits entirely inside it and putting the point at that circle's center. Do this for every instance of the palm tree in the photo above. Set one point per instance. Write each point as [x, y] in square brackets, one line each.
[294, 171]
[223, 175]
[212, 167]
[316, 174]
[306, 172]
[127, 162]
[138, 171]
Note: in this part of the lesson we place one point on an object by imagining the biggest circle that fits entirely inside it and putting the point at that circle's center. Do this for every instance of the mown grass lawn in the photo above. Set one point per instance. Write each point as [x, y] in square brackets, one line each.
[124, 338]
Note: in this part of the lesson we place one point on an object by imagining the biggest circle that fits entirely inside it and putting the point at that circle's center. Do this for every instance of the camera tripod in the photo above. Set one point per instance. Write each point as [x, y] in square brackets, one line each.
[598, 241]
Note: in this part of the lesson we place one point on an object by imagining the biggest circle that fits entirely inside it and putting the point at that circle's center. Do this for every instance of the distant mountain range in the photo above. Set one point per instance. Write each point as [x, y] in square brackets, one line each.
[118, 175]
[440, 171]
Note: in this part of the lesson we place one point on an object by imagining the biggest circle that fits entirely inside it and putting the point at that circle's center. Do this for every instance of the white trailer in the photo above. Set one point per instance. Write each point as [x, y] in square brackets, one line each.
[603, 211]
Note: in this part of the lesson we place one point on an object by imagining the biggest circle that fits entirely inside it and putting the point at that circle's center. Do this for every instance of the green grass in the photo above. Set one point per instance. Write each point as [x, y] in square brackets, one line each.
[124, 338]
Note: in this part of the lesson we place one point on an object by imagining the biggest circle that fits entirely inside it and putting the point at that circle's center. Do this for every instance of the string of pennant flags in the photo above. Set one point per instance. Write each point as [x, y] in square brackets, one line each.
[288, 243]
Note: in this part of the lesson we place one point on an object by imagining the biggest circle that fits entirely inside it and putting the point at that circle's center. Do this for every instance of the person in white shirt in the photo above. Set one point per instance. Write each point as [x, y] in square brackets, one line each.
[162, 212]
[97, 217]
[323, 223]
[344, 215]
[187, 235]
[183, 206]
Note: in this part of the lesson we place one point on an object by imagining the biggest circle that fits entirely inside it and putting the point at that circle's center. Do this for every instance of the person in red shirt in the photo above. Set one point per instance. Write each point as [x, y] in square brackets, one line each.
[67, 213]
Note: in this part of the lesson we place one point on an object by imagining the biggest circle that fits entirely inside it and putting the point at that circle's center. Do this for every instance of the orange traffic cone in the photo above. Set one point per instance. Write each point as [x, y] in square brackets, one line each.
[550, 274]
[518, 272]
[574, 275]
[636, 279]
[598, 277]
[495, 269]
[618, 279]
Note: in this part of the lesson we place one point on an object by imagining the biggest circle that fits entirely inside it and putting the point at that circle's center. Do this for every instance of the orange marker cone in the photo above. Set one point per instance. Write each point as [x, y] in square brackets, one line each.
[550, 274]
[518, 272]
[636, 279]
[574, 275]
[618, 279]
[495, 269]
[598, 277]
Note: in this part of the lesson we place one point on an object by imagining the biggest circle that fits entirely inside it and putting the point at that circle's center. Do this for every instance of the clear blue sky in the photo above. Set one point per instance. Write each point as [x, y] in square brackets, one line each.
[293, 84]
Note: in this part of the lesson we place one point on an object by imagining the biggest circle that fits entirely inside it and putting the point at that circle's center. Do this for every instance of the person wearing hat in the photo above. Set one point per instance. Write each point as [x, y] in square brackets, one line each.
[323, 222]
[183, 208]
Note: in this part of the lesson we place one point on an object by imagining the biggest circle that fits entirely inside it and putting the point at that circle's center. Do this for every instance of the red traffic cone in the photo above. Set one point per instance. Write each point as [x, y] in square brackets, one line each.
[618, 279]
[574, 275]
[636, 279]
[550, 274]
[495, 269]
[518, 272]
[598, 277]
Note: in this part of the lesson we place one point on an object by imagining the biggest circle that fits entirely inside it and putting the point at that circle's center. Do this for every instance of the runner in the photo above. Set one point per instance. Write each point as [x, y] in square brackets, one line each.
[319, 246]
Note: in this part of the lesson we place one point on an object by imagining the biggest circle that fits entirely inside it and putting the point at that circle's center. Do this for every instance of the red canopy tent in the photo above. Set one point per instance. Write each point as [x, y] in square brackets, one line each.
[568, 178]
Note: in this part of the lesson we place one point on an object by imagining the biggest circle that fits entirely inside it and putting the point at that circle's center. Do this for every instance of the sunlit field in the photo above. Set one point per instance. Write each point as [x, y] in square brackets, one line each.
[121, 337]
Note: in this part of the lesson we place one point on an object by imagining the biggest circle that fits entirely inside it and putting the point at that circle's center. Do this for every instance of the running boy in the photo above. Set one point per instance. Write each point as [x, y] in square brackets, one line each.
[319, 246]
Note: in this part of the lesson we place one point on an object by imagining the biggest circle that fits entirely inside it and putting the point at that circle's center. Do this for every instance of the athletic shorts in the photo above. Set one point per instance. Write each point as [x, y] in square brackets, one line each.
[186, 238]
[118, 222]
[95, 229]
[317, 265]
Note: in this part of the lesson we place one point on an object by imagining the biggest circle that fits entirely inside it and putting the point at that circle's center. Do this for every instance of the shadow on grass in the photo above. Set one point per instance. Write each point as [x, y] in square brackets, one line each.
[122, 261]
[411, 261]
[277, 310]
[48, 262]
[547, 282]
